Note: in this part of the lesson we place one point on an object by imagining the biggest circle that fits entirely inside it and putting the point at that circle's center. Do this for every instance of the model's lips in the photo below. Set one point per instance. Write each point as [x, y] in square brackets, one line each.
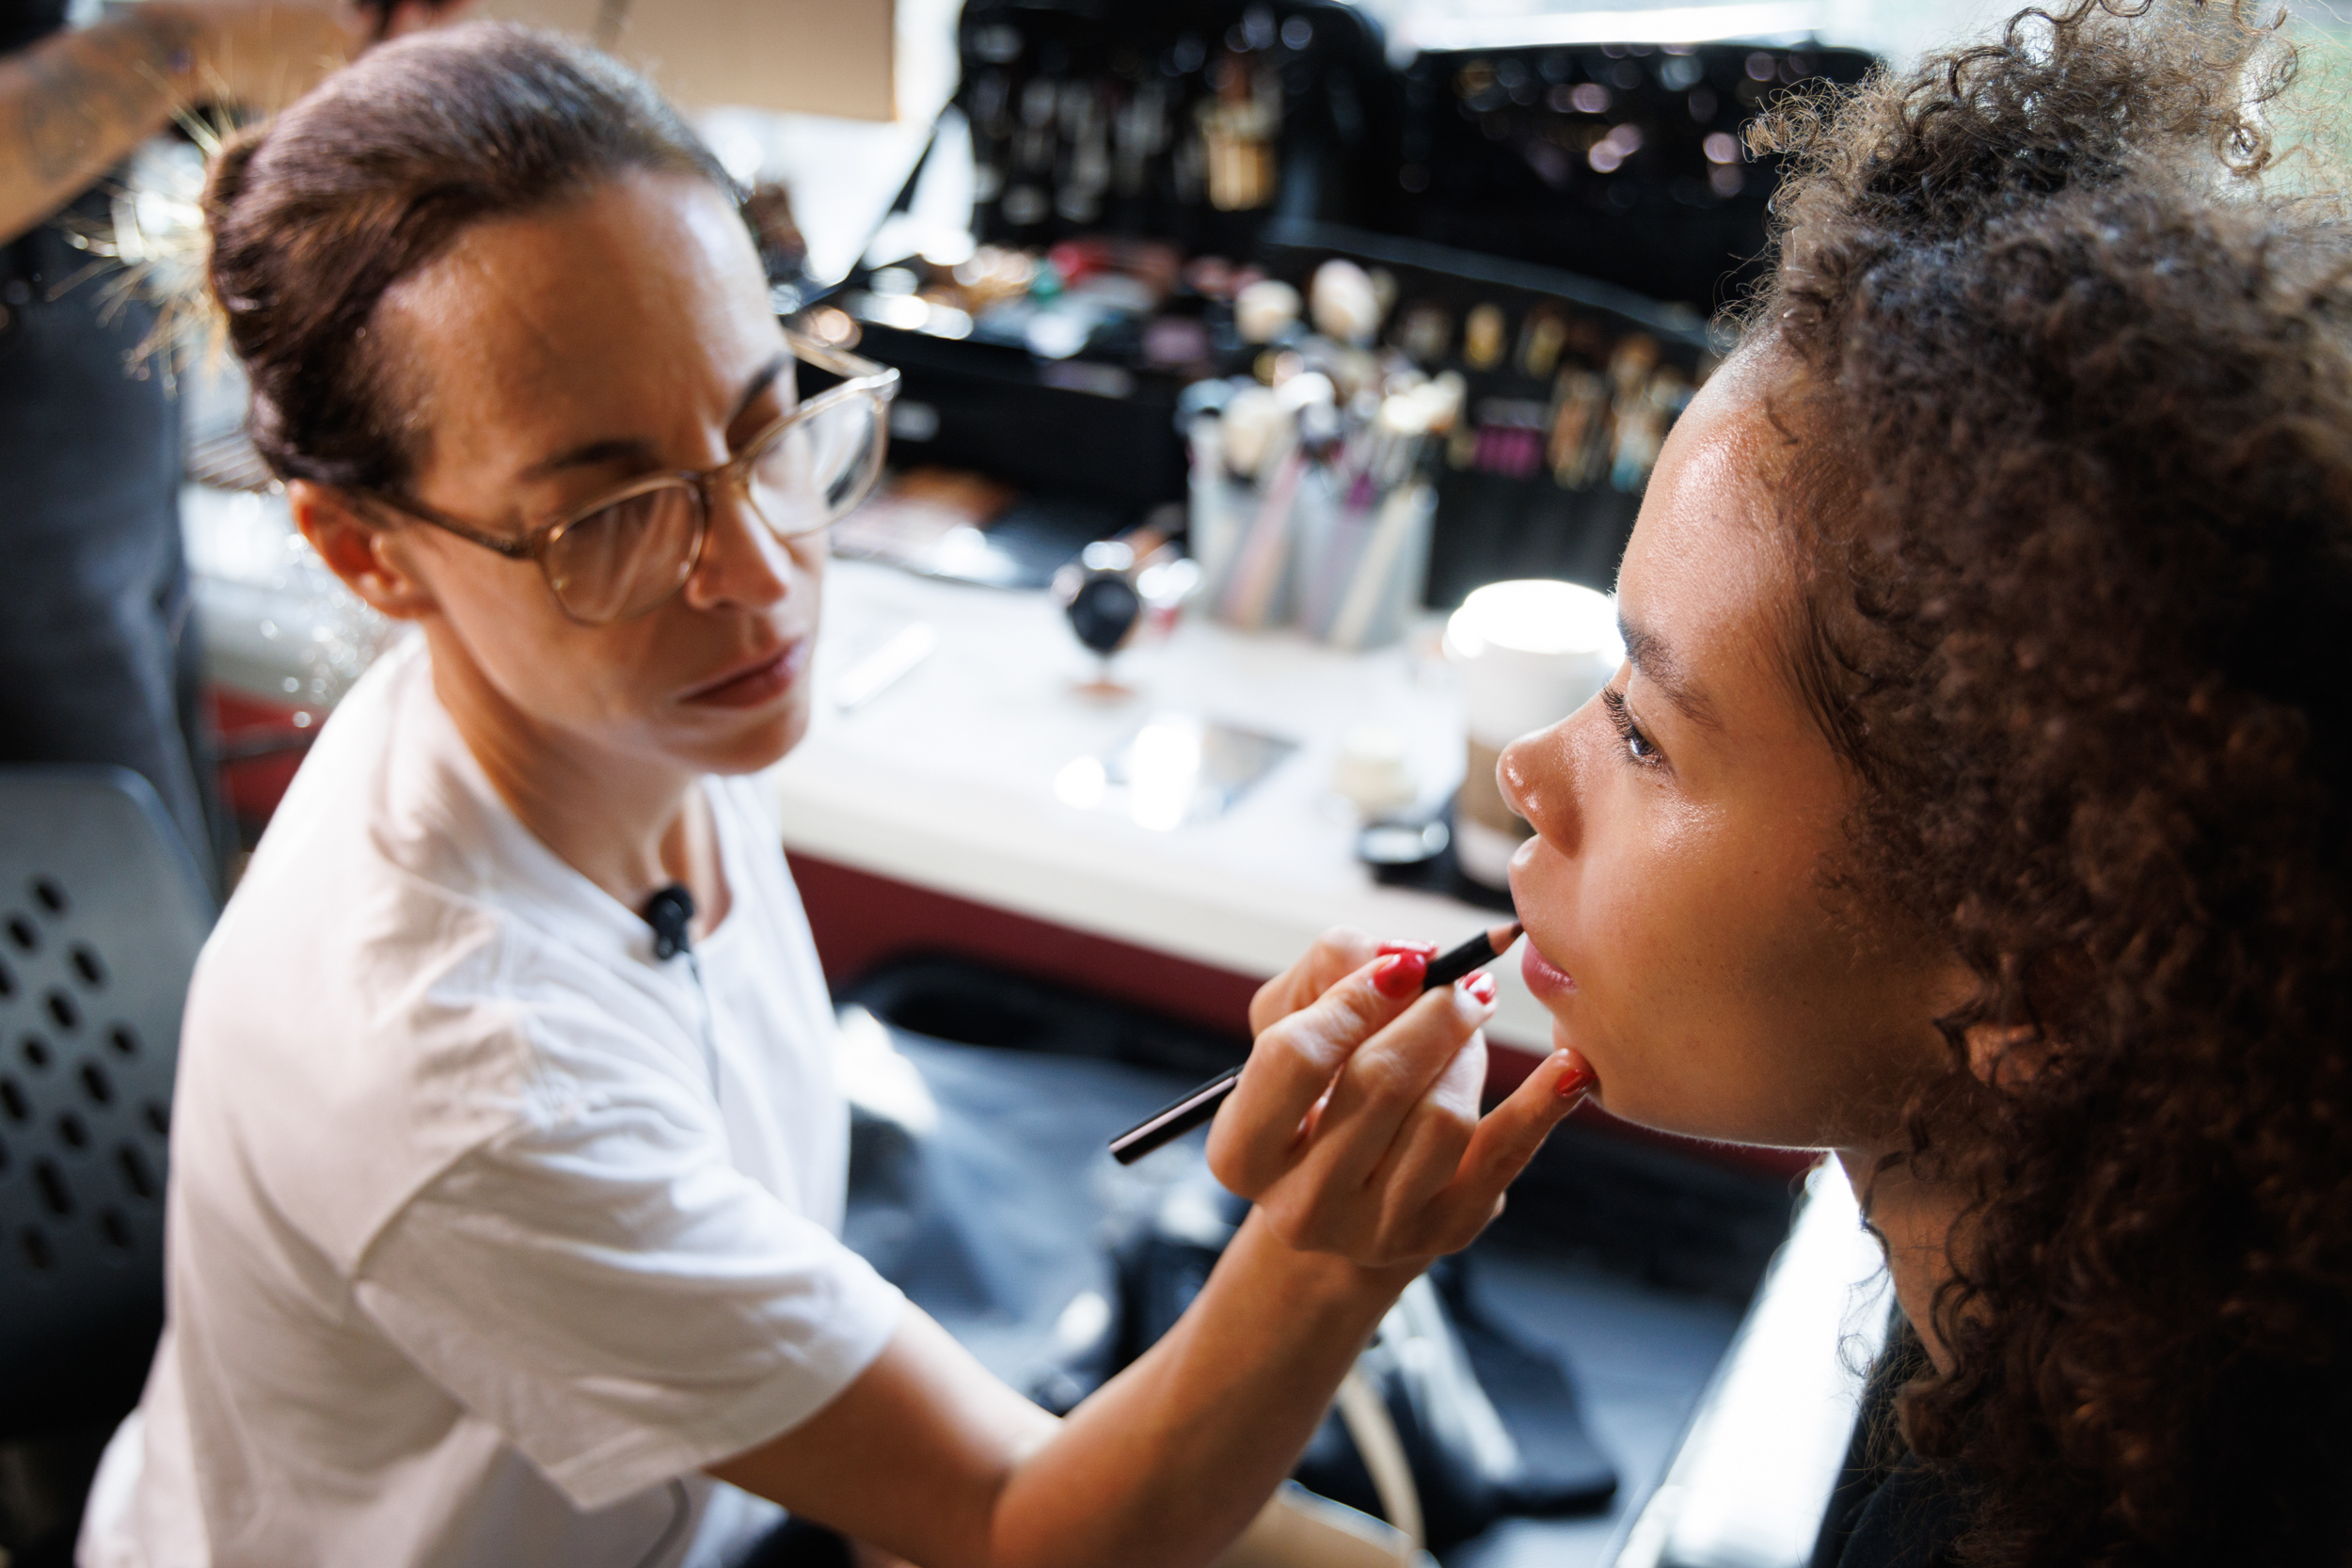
[1544, 977]
[760, 679]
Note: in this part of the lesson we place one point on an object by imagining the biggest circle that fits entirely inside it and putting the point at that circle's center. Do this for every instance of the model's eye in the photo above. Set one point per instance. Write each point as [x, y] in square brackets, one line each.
[1638, 746]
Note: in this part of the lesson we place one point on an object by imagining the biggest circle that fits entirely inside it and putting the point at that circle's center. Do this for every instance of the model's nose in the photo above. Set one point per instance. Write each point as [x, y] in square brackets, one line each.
[1536, 774]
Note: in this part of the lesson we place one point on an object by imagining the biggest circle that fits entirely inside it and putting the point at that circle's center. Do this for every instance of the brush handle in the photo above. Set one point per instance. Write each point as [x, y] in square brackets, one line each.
[1172, 1121]
[1448, 967]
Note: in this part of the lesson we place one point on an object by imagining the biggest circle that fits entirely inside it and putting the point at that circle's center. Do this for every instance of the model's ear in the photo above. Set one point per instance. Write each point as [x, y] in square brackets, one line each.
[367, 556]
[2004, 1055]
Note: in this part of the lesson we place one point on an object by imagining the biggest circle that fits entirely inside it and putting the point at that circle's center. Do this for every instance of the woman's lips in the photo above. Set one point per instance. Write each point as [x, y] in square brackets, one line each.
[750, 685]
[1544, 977]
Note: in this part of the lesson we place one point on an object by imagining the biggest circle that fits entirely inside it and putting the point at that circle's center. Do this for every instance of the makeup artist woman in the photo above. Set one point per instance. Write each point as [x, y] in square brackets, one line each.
[495, 1233]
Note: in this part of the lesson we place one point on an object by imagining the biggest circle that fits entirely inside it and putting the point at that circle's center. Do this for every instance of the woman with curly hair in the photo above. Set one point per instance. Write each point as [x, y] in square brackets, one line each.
[1973, 799]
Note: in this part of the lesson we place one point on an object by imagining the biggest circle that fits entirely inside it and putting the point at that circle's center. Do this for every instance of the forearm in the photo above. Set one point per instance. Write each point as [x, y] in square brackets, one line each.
[1171, 1460]
[75, 105]
[927, 1455]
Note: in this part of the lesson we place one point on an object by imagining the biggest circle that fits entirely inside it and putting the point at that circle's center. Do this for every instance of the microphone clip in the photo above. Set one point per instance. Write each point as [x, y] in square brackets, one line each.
[670, 912]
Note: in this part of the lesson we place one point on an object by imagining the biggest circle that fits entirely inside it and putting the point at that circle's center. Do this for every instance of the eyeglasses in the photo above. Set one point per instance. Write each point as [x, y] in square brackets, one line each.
[624, 554]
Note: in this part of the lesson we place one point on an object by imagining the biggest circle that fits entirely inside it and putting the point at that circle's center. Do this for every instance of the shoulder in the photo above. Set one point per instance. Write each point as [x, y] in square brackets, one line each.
[396, 982]
[418, 1033]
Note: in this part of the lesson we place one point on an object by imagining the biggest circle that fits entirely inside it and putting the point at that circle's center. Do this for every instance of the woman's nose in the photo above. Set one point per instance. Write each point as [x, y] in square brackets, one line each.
[742, 561]
[1536, 774]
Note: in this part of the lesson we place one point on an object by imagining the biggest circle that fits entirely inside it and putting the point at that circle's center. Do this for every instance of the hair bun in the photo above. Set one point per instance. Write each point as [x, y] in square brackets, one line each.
[224, 179]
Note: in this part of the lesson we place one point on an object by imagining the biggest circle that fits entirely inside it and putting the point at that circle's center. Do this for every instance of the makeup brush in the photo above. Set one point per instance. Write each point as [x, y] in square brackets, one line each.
[1172, 1121]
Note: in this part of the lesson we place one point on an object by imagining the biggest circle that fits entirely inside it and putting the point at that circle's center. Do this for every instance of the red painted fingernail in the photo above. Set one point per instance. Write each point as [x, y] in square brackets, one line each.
[1481, 986]
[1426, 949]
[1400, 975]
[1577, 1084]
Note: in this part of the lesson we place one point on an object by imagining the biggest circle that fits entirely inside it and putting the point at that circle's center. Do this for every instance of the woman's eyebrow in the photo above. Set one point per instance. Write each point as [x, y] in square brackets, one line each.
[636, 448]
[761, 380]
[1650, 655]
[591, 454]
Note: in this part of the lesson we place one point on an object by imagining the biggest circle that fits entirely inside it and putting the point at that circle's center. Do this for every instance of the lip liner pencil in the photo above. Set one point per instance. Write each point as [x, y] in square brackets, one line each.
[1172, 1121]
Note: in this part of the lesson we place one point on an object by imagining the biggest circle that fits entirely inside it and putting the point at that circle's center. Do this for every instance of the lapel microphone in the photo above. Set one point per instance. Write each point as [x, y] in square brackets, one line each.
[670, 912]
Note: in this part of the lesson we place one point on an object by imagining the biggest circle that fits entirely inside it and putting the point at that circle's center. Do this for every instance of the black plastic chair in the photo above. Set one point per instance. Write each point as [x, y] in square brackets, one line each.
[102, 912]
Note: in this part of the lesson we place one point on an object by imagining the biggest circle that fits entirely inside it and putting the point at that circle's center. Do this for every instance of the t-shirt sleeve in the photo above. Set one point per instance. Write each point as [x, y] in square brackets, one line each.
[621, 1305]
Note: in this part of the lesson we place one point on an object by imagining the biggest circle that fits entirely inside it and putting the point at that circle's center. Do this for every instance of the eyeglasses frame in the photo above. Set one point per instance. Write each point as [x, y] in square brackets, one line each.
[861, 377]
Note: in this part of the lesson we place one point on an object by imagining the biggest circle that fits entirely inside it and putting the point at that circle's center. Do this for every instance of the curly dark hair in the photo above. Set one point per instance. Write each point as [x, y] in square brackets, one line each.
[2070, 399]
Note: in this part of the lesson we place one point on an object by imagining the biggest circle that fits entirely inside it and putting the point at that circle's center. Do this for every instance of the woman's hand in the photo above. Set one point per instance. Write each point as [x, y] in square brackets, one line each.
[1354, 1127]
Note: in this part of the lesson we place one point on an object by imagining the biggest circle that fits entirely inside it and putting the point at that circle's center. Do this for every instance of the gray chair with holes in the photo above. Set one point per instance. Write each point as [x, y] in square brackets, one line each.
[102, 912]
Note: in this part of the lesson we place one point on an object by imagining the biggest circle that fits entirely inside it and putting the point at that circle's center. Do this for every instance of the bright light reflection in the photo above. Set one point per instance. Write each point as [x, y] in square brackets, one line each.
[1163, 765]
[1081, 784]
[961, 551]
[1535, 615]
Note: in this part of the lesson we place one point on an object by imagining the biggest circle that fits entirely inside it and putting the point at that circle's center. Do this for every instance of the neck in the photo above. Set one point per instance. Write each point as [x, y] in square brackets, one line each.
[630, 823]
[1916, 1219]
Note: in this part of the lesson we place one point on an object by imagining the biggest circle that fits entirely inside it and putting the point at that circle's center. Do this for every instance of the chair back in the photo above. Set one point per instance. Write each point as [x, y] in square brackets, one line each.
[102, 912]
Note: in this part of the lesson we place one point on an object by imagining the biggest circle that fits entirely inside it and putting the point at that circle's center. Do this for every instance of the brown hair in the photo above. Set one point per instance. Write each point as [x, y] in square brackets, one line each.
[316, 214]
[2072, 510]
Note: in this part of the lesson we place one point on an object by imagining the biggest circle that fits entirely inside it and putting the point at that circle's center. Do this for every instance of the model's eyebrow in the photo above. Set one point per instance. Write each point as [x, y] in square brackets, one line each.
[636, 450]
[1650, 655]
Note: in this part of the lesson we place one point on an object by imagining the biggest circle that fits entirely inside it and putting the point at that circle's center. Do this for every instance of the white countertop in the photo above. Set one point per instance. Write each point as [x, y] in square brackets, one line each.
[946, 779]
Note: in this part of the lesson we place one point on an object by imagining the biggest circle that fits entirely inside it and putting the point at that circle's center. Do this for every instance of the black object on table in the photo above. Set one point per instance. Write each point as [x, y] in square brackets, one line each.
[1437, 870]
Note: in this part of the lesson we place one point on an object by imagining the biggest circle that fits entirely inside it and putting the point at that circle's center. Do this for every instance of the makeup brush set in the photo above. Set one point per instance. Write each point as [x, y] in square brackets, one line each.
[1156, 193]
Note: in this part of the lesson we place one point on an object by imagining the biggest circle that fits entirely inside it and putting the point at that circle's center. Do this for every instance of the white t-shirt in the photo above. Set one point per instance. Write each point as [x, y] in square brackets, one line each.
[484, 1226]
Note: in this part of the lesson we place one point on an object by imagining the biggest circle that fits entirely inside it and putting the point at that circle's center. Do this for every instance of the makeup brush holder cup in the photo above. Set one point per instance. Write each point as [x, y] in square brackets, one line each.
[1291, 552]
[1359, 570]
[1219, 510]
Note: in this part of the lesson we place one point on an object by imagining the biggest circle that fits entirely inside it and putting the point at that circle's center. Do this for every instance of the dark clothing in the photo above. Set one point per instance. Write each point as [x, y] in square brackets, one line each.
[98, 655]
[798, 1544]
[1910, 1521]
[1888, 1510]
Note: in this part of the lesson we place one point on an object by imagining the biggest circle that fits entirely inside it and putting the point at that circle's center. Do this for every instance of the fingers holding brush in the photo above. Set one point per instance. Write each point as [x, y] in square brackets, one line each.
[1354, 1122]
[1259, 1133]
[1355, 1126]
[1399, 1119]
[1396, 1105]
[1408, 1072]
[1336, 954]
